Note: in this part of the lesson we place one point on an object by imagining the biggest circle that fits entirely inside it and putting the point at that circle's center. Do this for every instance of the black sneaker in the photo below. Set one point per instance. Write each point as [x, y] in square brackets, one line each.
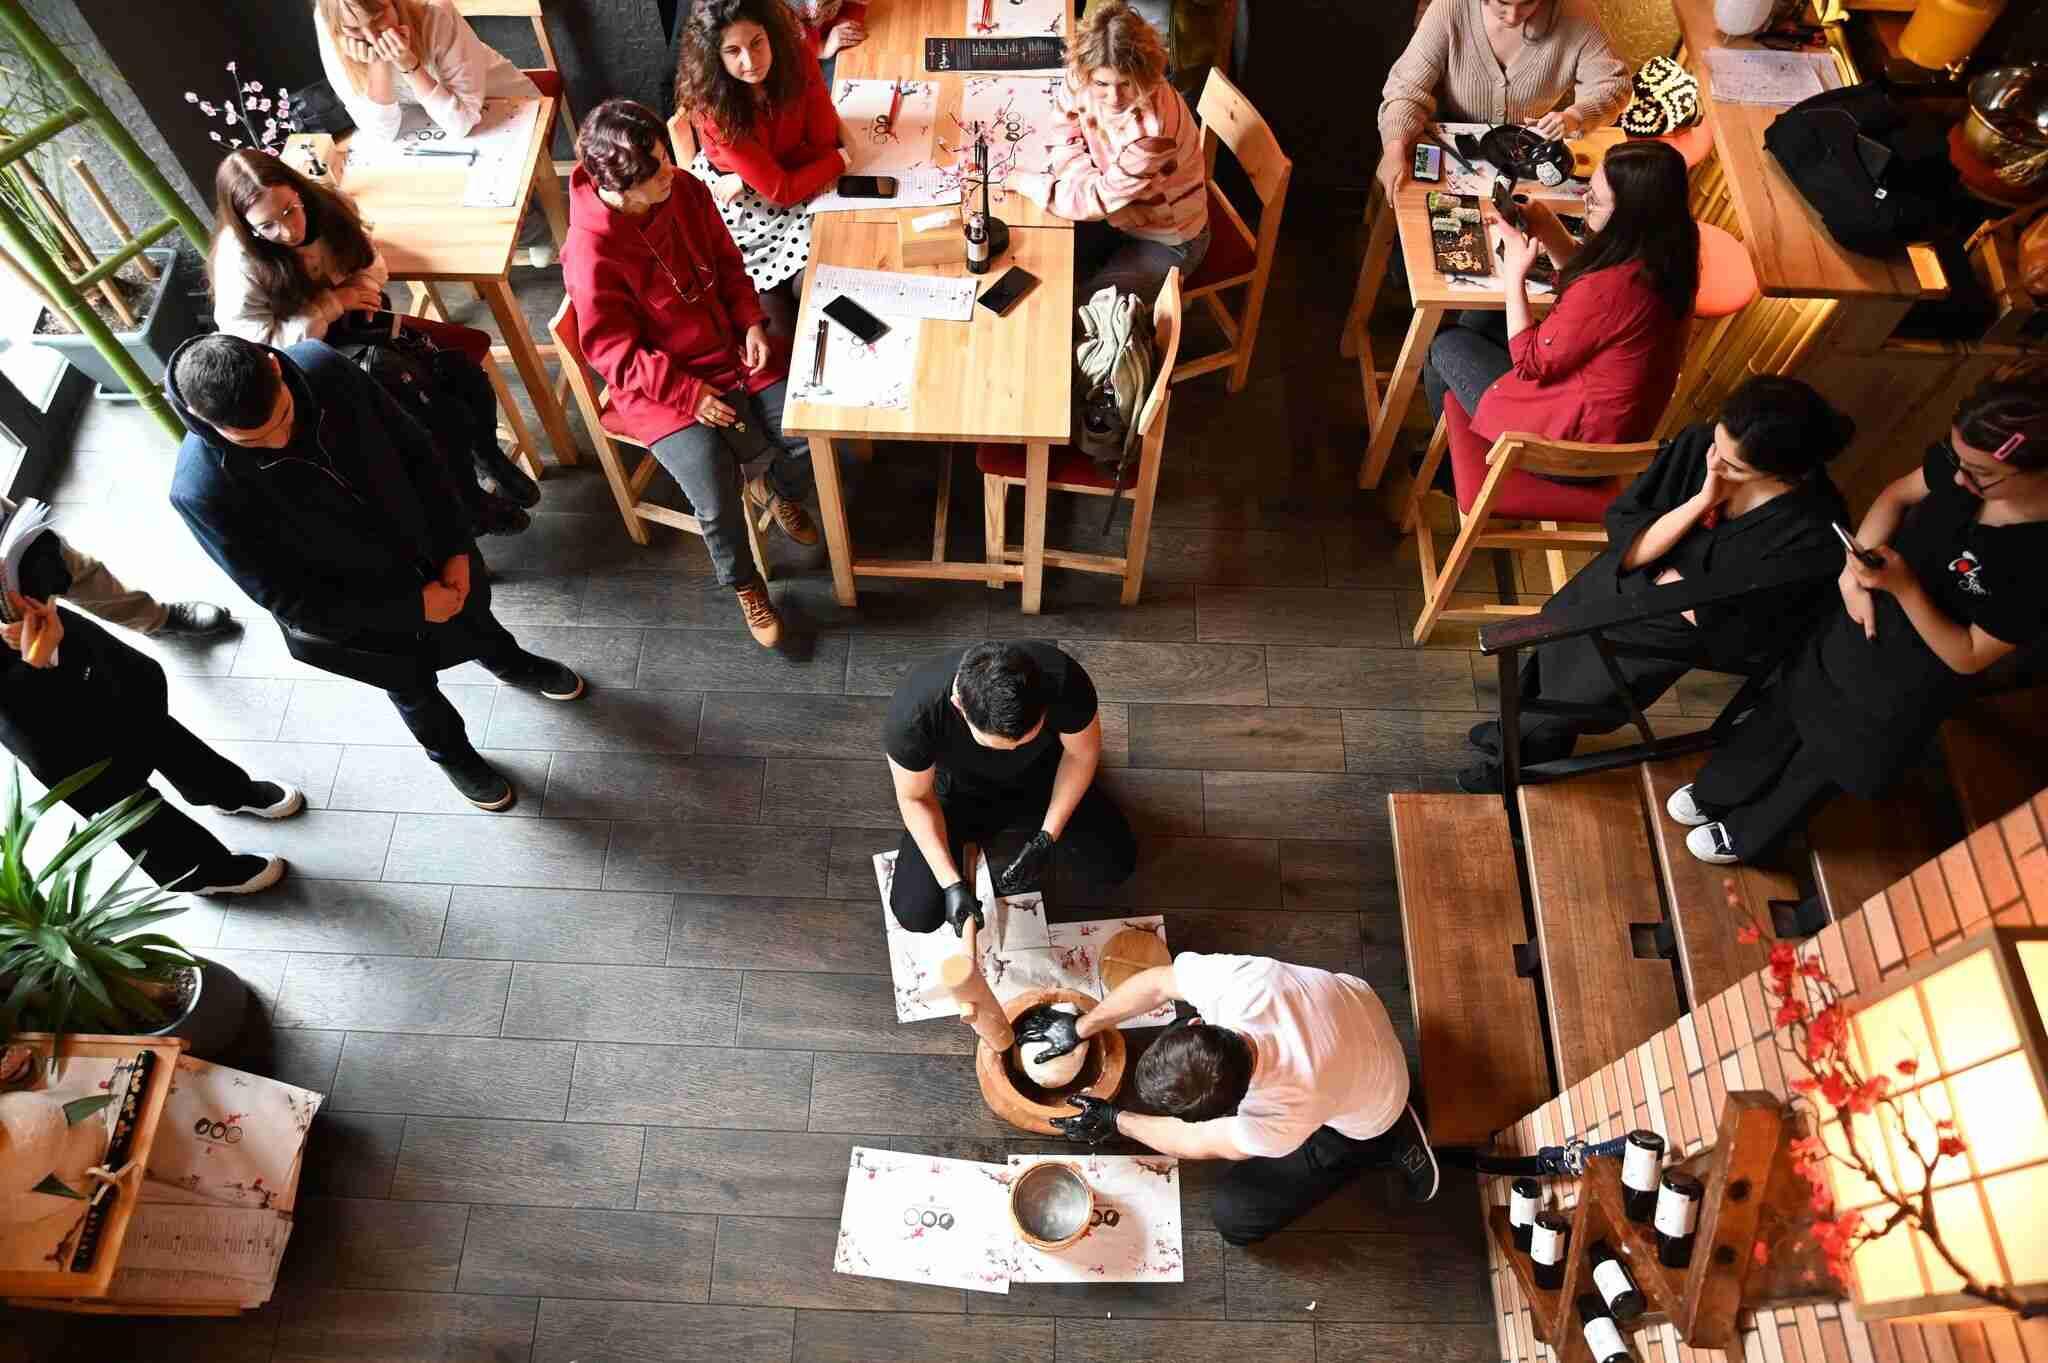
[1412, 1156]
[477, 781]
[244, 874]
[497, 474]
[196, 620]
[1481, 778]
[546, 678]
[496, 515]
[269, 800]
[1485, 737]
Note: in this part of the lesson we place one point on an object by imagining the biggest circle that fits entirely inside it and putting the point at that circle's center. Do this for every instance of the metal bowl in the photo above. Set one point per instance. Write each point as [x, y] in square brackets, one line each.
[1050, 1204]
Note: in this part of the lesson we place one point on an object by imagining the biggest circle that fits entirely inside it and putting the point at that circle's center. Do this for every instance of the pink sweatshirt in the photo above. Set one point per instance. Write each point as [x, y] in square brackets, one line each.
[1141, 171]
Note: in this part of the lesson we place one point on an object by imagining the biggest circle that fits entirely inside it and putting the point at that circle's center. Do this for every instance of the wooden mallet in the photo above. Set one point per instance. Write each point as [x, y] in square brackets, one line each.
[978, 1005]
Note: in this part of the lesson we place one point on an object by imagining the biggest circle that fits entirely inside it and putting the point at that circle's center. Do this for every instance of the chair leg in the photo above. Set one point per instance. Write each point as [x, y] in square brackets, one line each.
[622, 490]
[1248, 332]
[994, 494]
[1436, 602]
[1372, 270]
[1425, 477]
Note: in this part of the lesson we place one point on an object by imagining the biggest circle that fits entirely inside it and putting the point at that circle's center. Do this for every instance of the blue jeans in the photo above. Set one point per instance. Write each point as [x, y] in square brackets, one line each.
[1105, 255]
[707, 464]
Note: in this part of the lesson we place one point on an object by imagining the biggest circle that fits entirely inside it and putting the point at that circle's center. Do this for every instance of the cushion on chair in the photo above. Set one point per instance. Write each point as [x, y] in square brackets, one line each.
[548, 82]
[1522, 496]
[1728, 282]
[1231, 253]
[1067, 465]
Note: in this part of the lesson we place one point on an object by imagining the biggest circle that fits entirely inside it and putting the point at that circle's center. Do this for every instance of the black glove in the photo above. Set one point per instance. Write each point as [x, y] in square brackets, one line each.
[1024, 873]
[962, 905]
[1057, 1029]
[1095, 1123]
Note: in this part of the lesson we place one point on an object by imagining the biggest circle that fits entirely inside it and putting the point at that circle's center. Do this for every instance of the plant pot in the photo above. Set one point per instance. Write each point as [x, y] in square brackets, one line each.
[212, 1022]
[169, 321]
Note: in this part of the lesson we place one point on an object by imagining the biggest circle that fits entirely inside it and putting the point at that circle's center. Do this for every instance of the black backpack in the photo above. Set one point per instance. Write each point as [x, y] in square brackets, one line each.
[1877, 176]
[441, 389]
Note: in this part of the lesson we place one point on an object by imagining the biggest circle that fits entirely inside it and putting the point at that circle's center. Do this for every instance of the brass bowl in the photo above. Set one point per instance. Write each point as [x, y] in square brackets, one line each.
[1051, 1205]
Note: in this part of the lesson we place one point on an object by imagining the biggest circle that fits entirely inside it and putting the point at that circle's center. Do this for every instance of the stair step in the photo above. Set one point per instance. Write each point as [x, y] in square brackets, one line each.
[1594, 880]
[1860, 848]
[1476, 1019]
[1997, 751]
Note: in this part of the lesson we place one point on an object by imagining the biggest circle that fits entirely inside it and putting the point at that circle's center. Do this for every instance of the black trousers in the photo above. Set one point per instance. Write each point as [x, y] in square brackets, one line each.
[1098, 843]
[1261, 1195]
[1763, 781]
[425, 708]
[170, 844]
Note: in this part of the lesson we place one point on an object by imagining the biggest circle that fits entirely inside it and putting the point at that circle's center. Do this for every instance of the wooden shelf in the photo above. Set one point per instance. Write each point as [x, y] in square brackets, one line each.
[1543, 1301]
[1635, 1245]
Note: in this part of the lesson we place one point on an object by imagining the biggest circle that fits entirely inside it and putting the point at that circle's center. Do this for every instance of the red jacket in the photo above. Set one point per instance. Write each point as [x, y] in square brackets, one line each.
[791, 153]
[663, 304]
[1600, 367]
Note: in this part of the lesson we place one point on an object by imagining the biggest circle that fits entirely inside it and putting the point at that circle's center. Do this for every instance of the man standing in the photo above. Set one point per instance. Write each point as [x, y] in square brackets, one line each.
[1293, 1072]
[991, 737]
[333, 510]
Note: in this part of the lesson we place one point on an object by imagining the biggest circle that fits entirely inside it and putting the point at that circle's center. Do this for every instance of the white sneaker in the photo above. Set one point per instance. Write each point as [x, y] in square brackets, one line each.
[1681, 807]
[281, 801]
[246, 874]
[1711, 844]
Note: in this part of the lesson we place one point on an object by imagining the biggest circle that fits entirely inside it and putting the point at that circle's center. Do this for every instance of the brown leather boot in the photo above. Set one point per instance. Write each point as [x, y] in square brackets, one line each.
[789, 517]
[762, 621]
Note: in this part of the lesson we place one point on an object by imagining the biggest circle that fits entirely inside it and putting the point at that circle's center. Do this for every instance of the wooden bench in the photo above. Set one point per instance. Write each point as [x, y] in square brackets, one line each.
[1997, 752]
[1476, 1017]
[1862, 847]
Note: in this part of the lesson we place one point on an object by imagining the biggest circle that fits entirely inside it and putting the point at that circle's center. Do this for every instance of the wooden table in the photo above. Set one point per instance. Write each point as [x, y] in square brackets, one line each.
[417, 217]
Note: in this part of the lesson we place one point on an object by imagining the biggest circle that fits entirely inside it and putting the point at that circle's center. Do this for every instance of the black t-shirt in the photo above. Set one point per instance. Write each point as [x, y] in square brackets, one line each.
[924, 729]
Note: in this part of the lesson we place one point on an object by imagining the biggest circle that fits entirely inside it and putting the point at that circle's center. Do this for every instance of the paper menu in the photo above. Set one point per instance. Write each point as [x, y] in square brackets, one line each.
[856, 373]
[1758, 76]
[895, 293]
[901, 146]
[1134, 1235]
[1014, 18]
[244, 1243]
[924, 1219]
[494, 152]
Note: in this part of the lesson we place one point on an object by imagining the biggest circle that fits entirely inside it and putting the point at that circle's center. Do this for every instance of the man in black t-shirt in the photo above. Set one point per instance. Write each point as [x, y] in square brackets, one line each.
[985, 738]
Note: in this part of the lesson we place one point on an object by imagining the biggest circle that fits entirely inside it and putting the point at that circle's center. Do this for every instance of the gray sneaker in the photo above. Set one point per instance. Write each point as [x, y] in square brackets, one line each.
[196, 620]
[1412, 1156]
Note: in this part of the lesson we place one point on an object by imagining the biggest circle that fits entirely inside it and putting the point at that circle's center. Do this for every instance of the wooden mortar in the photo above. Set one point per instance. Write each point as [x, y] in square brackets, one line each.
[1002, 1090]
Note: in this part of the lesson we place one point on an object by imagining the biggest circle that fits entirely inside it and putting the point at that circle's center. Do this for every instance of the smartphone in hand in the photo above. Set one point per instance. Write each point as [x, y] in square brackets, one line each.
[1856, 551]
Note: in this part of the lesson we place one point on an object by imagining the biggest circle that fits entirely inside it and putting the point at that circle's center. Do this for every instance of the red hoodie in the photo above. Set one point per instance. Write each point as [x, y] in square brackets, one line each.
[663, 304]
[793, 151]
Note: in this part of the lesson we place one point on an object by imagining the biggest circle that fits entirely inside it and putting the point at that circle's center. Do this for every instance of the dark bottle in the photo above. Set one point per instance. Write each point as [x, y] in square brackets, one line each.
[1616, 1287]
[1603, 1336]
[1546, 1249]
[1678, 1218]
[1525, 1199]
[977, 244]
[1640, 1161]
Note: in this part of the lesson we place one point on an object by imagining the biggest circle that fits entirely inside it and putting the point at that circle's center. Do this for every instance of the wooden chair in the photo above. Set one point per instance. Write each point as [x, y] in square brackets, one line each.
[533, 10]
[1499, 484]
[1237, 256]
[1002, 467]
[629, 490]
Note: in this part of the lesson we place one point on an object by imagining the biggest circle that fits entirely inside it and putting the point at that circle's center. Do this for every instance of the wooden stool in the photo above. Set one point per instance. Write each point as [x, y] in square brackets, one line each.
[535, 11]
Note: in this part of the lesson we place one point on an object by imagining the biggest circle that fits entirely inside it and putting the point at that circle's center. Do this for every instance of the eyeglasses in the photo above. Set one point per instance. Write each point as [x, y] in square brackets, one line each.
[1978, 484]
[271, 230]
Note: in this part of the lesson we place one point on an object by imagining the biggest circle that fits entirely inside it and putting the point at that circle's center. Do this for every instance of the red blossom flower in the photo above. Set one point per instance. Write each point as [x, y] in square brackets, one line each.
[1813, 970]
[1784, 959]
[1952, 1145]
[1909, 1067]
[1790, 1011]
[1749, 934]
[1868, 1093]
[1835, 1089]
[1761, 1252]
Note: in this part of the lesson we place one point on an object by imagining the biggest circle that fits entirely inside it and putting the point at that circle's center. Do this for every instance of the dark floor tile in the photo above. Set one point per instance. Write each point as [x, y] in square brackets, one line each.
[849, 794]
[1233, 556]
[794, 726]
[484, 849]
[1285, 804]
[1236, 737]
[597, 926]
[1157, 803]
[1406, 1342]
[261, 972]
[787, 1261]
[524, 599]
[660, 1332]
[839, 1013]
[773, 1173]
[864, 1336]
[731, 932]
[652, 787]
[371, 1243]
[394, 994]
[1198, 1297]
[659, 600]
[403, 1327]
[695, 1086]
[309, 766]
[1327, 941]
[338, 711]
[1113, 1341]
[911, 1095]
[1296, 615]
[853, 867]
[1375, 1202]
[661, 1004]
[877, 664]
[933, 610]
[1187, 873]
[1190, 674]
[1084, 606]
[221, 707]
[718, 858]
[1337, 876]
[369, 917]
[611, 1255]
[1116, 732]
[317, 844]
[453, 1076]
[532, 1164]
[1369, 678]
[607, 721]
[1408, 740]
[1371, 556]
[722, 660]
[1355, 1277]
[295, 1055]
[405, 780]
[351, 1154]
[608, 659]
[47, 1336]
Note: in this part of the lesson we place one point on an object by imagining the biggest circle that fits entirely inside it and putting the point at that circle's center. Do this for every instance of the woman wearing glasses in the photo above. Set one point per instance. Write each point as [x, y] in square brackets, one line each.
[1956, 586]
[289, 257]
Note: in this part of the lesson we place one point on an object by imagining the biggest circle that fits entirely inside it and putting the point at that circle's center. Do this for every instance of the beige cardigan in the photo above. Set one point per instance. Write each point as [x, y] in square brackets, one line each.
[1449, 72]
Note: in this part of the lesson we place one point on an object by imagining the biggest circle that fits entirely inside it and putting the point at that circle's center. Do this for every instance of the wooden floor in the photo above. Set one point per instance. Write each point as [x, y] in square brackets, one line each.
[595, 1064]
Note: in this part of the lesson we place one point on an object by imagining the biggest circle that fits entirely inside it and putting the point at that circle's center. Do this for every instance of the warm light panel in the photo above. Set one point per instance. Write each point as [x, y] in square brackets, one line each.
[1972, 1019]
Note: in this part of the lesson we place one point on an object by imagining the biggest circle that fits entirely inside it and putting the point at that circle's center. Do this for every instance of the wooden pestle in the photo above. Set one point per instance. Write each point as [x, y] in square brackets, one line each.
[978, 1004]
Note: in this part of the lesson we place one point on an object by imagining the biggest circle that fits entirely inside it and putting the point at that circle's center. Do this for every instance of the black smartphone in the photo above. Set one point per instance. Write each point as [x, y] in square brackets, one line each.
[856, 319]
[1002, 295]
[1505, 205]
[867, 186]
[1861, 555]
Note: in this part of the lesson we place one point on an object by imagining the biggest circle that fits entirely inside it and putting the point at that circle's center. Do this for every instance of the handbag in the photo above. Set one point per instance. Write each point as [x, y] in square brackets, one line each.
[1877, 176]
[315, 108]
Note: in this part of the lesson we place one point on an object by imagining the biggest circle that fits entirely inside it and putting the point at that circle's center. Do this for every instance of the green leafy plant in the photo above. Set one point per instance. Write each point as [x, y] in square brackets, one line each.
[28, 96]
[73, 958]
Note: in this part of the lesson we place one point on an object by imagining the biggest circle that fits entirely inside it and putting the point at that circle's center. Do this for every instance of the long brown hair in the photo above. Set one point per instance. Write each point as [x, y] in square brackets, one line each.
[706, 90]
[278, 283]
[332, 14]
[1118, 37]
[1652, 223]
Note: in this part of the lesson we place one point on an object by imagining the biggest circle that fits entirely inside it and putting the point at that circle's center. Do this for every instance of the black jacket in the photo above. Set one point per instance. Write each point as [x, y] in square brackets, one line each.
[336, 534]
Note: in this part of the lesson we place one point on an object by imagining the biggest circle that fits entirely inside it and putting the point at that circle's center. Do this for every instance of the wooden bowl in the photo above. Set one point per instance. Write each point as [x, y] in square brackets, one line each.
[1130, 951]
[1022, 1103]
[1051, 1205]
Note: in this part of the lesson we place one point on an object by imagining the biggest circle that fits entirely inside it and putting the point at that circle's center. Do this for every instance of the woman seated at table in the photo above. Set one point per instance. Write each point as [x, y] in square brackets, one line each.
[1722, 496]
[1131, 176]
[381, 55]
[1494, 62]
[768, 136]
[669, 321]
[1960, 543]
[1604, 361]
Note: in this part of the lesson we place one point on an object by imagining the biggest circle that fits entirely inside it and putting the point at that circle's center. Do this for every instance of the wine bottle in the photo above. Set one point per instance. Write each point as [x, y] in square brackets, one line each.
[1616, 1287]
[1639, 1164]
[1546, 1249]
[1603, 1336]
[977, 244]
[1678, 1217]
[1525, 1199]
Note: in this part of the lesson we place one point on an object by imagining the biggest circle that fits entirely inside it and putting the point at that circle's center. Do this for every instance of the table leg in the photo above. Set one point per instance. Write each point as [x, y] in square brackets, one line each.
[532, 372]
[1037, 465]
[547, 187]
[1400, 391]
[1372, 271]
[832, 511]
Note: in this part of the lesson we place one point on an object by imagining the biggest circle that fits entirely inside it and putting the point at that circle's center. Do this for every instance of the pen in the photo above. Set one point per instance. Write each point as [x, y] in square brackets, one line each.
[818, 364]
[435, 151]
[895, 101]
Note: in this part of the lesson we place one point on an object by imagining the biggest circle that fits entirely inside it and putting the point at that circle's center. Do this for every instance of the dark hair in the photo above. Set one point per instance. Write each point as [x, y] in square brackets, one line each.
[2012, 402]
[618, 142]
[227, 381]
[1785, 427]
[704, 89]
[1001, 689]
[278, 284]
[1194, 1072]
[1652, 223]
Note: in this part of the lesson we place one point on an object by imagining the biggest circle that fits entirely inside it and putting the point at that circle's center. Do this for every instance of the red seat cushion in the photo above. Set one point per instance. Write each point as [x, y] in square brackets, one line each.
[1522, 496]
[1230, 255]
[1067, 465]
[1728, 282]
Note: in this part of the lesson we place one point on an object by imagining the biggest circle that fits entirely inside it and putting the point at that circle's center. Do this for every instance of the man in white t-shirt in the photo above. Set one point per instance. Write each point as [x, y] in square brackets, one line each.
[1294, 1072]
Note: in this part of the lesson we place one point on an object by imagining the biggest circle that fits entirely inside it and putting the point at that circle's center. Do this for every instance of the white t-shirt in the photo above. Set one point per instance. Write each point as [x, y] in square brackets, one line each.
[1324, 1050]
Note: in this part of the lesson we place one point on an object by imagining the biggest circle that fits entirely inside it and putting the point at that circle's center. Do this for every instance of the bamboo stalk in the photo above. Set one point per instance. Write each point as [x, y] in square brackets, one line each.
[115, 222]
[58, 219]
[29, 282]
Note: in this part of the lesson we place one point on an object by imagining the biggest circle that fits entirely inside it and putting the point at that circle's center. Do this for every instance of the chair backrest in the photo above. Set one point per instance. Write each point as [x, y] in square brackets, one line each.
[583, 381]
[1166, 340]
[682, 138]
[1571, 458]
[1228, 118]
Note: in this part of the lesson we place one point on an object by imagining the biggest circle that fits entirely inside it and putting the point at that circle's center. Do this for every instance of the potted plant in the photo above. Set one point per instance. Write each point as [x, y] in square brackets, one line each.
[78, 959]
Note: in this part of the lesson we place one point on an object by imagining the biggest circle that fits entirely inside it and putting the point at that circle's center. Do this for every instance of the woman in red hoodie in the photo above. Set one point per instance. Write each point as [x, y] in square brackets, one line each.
[669, 321]
[767, 132]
